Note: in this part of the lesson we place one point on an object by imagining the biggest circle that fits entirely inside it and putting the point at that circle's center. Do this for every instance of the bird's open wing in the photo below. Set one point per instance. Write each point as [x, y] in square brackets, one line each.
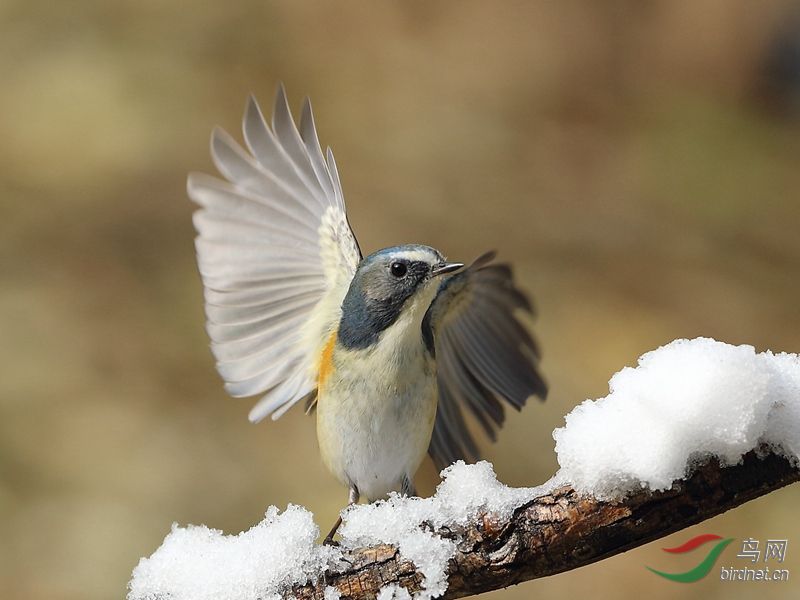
[276, 255]
[483, 355]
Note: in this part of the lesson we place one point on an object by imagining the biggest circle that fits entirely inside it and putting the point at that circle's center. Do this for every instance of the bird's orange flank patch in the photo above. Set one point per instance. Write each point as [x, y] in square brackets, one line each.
[326, 361]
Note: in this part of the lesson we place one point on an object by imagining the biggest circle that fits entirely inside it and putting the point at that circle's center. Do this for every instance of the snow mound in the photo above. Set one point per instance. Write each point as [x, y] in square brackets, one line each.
[684, 402]
[198, 563]
[465, 491]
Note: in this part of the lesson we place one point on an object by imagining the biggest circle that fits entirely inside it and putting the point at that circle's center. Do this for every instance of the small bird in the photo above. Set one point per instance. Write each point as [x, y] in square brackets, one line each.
[389, 349]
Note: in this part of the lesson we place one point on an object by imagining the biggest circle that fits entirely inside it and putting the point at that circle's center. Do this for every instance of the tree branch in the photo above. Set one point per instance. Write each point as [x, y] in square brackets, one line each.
[558, 532]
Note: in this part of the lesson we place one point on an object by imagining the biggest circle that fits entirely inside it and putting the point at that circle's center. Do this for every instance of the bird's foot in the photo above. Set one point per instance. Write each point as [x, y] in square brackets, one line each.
[329, 541]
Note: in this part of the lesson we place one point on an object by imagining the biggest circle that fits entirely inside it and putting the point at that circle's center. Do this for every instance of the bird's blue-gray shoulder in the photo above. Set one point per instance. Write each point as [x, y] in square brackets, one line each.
[484, 355]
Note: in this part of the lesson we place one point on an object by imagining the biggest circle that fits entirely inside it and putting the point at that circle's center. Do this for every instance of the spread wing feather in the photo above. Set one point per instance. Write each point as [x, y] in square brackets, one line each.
[484, 356]
[276, 255]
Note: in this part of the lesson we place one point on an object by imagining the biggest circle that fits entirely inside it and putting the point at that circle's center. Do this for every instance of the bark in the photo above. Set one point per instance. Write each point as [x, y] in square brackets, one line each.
[558, 532]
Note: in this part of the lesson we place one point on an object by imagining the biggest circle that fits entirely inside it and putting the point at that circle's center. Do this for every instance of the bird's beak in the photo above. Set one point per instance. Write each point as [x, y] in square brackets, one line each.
[444, 268]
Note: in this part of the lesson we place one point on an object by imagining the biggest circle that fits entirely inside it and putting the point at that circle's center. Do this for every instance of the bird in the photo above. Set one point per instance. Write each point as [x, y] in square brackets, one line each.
[391, 351]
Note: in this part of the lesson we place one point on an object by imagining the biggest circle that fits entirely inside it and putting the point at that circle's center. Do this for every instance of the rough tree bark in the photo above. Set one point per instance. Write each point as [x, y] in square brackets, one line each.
[558, 532]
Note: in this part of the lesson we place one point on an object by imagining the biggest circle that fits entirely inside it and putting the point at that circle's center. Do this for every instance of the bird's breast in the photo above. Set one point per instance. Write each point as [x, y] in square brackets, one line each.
[375, 411]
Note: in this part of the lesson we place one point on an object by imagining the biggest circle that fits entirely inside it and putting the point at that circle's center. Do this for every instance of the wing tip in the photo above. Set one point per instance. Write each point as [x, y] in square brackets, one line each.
[256, 416]
[191, 184]
[280, 106]
[307, 126]
[252, 110]
[280, 90]
[305, 108]
[196, 180]
[484, 259]
[330, 159]
[221, 140]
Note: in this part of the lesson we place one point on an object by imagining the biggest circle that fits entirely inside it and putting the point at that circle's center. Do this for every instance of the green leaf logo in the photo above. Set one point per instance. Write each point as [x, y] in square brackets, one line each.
[702, 569]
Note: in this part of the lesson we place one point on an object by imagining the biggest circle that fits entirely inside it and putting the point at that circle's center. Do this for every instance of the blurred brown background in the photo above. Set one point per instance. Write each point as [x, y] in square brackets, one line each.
[637, 161]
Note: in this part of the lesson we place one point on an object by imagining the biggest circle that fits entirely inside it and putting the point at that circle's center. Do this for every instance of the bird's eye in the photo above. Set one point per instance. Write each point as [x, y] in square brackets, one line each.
[398, 269]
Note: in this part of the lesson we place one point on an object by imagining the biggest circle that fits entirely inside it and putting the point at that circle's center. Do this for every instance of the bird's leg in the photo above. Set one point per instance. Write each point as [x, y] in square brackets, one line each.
[329, 538]
[407, 488]
[353, 499]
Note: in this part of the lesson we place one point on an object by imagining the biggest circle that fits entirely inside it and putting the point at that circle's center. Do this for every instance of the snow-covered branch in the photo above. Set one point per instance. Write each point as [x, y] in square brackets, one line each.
[555, 532]
[697, 428]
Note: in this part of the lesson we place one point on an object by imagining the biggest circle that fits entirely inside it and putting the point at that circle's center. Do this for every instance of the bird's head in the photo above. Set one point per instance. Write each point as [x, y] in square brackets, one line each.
[385, 285]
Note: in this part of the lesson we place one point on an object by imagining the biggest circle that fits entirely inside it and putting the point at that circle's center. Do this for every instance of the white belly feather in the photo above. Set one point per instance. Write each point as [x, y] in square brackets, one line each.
[375, 410]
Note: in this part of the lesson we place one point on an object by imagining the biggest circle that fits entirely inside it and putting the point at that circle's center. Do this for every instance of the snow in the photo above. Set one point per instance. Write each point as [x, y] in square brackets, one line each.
[684, 402]
[197, 563]
[331, 593]
[783, 422]
[465, 491]
[393, 592]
